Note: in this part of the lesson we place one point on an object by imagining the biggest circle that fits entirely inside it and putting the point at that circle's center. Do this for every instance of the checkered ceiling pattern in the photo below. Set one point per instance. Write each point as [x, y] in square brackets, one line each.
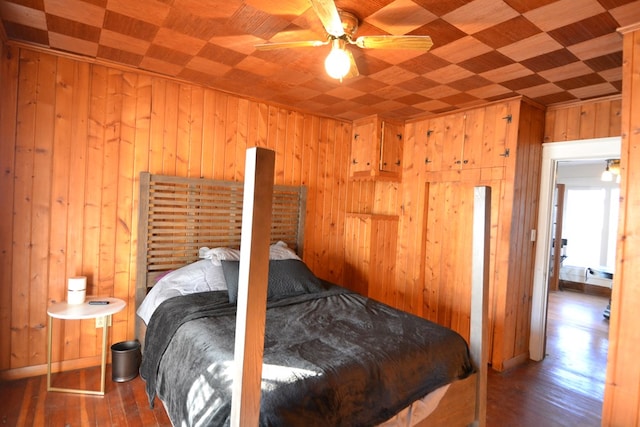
[552, 51]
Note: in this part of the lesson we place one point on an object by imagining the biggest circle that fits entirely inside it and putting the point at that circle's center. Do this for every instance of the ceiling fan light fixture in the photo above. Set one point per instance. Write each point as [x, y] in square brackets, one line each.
[337, 63]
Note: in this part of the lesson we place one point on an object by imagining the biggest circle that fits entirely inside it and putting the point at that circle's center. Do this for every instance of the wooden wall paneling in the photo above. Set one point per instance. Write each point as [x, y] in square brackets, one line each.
[520, 273]
[41, 204]
[288, 167]
[559, 119]
[79, 163]
[233, 166]
[196, 133]
[308, 156]
[25, 147]
[141, 143]
[9, 79]
[407, 192]
[384, 235]
[587, 120]
[263, 125]
[503, 306]
[513, 305]
[297, 143]
[116, 124]
[356, 269]
[156, 125]
[386, 197]
[410, 247]
[218, 141]
[574, 119]
[361, 196]
[335, 180]
[60, 184]
[82, 342]
[183, 129]
[622, 396]
[170, 126]
[108, 149]
[123, 322]
[272, 130]
[615, 119]
[242, 139]
[315, 213]
[208, 131]
[460, 302]
[497, 191]
[425, 155]
[109, 188]
[449, 222]
[531, 139]
[279, 147]
[583, 120]
[435, 234]
[325, 178]
[336, 253]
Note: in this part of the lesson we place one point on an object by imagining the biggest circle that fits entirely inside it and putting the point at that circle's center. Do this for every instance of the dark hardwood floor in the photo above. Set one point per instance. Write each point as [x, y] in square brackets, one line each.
[566, 389]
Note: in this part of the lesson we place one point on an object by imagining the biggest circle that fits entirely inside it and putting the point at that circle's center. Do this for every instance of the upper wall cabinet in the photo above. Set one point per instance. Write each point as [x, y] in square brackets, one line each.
[476, 138]
[376, 149]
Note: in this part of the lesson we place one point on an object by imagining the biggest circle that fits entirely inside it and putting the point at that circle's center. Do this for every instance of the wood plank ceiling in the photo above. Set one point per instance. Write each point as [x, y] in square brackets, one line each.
[552, 51]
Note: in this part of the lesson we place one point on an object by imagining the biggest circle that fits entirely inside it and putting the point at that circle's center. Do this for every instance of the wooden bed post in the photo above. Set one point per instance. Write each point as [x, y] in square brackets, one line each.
[479, 296]
[252, 286]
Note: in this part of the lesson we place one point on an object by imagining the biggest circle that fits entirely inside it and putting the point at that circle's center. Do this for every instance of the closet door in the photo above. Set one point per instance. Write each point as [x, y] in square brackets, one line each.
[447, 279]
[448, 246]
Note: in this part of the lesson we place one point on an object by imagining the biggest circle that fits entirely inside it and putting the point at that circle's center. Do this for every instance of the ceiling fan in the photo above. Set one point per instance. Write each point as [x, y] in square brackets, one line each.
[341, 27]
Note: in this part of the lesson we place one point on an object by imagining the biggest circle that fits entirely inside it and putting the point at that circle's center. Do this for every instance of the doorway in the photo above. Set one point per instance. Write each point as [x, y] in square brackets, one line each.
[552, 153]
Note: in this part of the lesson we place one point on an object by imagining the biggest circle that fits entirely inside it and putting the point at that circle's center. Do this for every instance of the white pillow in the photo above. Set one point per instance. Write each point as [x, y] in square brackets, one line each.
[219, 254]
[200, 276]
[280, 250]
[277, 251]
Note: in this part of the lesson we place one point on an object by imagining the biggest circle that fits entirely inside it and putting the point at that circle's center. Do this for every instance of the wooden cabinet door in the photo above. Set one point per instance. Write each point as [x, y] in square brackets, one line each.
[473, 142]
[391, 147]
[452, 141]
[433, 133]
[500, 133]
[448, 246]
[363, 144]
[376, 149]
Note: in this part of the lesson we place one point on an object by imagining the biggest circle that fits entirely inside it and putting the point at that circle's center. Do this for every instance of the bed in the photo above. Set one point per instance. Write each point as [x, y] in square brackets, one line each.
[331, 356]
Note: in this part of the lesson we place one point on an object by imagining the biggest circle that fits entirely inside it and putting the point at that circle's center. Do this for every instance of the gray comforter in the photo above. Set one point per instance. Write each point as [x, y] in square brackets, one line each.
[332, 358]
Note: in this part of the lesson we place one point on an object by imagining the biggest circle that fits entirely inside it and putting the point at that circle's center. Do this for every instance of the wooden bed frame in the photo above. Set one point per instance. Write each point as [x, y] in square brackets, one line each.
[177, 216]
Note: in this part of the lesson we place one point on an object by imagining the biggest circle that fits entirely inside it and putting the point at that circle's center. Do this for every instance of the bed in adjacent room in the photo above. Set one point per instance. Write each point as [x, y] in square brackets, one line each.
[331, 357]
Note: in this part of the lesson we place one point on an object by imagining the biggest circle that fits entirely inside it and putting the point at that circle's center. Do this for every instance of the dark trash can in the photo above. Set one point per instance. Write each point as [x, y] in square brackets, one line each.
[125, 360]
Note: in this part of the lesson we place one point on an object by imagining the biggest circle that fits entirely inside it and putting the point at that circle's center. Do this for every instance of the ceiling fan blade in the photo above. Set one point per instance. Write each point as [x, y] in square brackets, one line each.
[394, 42]
[329, 16]
[353, 69]
[286, 45]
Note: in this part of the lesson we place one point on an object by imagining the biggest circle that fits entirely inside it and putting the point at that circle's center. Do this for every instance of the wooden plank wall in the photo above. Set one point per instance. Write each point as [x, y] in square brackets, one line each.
[622, 395]
[74, 137]
[583, 120]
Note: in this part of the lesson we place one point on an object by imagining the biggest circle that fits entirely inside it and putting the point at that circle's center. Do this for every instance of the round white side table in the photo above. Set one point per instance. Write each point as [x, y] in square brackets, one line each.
[65, 311]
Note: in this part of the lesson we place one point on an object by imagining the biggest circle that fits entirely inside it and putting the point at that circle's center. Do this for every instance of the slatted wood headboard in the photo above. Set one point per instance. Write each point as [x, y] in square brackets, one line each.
[177, 216]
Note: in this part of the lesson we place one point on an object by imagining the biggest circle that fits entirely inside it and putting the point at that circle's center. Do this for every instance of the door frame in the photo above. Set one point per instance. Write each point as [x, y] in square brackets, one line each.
[552, 153]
